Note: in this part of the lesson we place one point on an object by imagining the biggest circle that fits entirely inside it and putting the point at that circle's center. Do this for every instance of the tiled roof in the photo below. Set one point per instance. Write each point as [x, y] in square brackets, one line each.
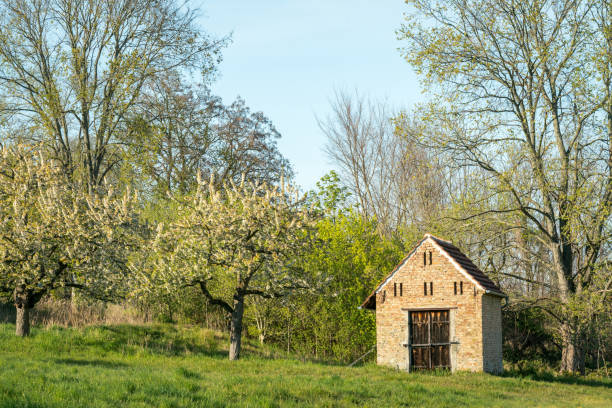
[465, 264]
[468, 265]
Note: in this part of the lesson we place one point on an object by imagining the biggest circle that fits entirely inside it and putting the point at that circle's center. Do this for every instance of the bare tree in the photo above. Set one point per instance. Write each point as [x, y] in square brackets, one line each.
[392, 178]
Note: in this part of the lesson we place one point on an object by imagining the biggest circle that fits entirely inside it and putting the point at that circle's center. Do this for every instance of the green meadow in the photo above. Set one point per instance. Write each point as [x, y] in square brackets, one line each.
[173, 366]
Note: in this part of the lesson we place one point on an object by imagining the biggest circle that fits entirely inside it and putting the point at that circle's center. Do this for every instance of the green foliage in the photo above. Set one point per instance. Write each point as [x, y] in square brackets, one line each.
[331, 196]
[354, 257]
[529, 336]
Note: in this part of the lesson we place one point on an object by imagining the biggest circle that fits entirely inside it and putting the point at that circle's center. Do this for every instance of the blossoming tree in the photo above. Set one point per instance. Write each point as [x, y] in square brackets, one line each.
[53, 234]
[237, 241]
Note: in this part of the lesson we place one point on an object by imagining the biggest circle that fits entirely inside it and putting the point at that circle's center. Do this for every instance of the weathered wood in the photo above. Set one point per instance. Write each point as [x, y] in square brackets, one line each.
[430, 339]
[362, 357]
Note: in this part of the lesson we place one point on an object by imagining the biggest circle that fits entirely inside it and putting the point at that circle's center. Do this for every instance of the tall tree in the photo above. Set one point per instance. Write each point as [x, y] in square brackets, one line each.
[171, 134]
[240, 240]
[71, 71]
[54, 235]
[522, 99]
[354, 257]
[392, 179]
[246, 147]
[182, 130]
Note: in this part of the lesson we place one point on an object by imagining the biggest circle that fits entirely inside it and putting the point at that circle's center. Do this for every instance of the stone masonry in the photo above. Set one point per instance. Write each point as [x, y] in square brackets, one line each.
[475, 314]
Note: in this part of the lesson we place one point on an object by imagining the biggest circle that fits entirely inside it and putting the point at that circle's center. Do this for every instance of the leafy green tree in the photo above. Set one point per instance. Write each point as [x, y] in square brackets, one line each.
[171, 136]
[241, 240]
[354, 256]
[53, 235]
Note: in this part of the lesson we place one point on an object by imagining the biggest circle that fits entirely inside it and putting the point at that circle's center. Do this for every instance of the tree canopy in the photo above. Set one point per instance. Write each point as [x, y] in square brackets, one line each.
[53, 235]
[524, 101]
[73, 71]
[240, 240]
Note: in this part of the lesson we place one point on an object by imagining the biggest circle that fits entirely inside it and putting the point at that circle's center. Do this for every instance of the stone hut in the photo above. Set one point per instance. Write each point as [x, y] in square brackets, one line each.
[436, 309]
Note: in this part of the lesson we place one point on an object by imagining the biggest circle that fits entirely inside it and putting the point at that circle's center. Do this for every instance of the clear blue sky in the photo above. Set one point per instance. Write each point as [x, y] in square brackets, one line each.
[288, 56]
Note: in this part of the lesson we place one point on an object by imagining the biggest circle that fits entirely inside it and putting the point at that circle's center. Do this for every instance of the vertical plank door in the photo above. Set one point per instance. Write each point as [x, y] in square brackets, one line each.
[429, 339]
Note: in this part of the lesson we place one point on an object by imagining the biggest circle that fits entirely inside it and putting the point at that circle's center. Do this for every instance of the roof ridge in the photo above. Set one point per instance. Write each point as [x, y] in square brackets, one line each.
[456, 257]
[429, 235]
[469, 267]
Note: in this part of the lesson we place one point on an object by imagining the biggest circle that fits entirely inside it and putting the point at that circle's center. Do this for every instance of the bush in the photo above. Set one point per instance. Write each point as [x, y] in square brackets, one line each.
[529, 338]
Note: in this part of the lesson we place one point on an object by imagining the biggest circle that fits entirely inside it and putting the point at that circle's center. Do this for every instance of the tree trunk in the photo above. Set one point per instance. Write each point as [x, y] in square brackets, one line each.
[236, 328]
[572, 354]
[260, 320]
[73, 301]
[23, 321]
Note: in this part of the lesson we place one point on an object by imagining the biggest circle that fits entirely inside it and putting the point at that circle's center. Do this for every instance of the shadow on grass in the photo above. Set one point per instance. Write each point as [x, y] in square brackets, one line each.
[92, 363]
[7, 313]
[189, 373]
[556, 378]
[253, 350]
[158, 339]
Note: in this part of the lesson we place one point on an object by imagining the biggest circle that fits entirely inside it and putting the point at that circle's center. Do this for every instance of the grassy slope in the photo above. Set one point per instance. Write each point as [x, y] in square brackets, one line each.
[165, 366]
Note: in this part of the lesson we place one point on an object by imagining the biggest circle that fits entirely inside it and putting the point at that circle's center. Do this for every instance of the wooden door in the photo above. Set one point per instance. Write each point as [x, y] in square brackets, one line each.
[429, 339]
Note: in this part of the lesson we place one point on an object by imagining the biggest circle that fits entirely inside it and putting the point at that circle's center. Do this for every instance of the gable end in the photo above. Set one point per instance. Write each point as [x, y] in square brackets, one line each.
[370, 302]
[461, 262]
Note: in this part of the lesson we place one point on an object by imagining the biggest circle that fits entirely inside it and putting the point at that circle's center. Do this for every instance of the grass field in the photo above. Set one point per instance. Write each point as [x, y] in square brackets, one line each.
[165, 366]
